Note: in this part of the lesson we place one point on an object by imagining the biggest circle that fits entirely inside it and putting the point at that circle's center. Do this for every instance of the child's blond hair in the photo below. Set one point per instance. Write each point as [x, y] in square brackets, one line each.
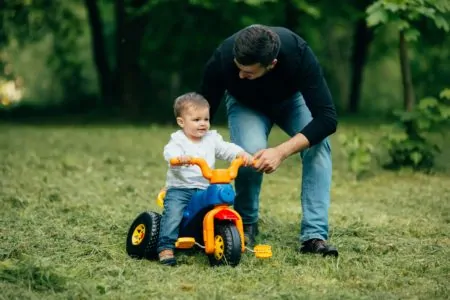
[185, 101]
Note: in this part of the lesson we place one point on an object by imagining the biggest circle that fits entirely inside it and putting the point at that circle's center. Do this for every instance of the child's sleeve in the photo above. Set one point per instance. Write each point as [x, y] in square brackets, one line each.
[225, 150]
[173, 149]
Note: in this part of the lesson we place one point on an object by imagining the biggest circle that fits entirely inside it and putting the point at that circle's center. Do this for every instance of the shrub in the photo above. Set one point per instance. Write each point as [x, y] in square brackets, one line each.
[358, 152]
[409, 143]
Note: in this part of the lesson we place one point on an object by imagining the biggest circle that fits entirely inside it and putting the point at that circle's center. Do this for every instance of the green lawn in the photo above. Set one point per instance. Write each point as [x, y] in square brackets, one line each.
[69, 193]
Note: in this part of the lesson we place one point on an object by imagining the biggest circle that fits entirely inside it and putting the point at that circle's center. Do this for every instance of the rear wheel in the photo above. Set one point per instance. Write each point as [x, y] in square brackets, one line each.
[227, 245]
[142, 238]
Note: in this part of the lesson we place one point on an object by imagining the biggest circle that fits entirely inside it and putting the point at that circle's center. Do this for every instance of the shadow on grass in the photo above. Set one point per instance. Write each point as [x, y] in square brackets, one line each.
[29, 274]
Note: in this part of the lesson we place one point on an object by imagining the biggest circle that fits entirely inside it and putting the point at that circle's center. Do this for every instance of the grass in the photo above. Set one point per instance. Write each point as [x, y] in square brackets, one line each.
[69, 193]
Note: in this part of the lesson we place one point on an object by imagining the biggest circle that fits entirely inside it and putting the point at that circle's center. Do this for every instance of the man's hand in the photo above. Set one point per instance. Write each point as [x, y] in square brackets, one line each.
[268, 160]
[248, 158]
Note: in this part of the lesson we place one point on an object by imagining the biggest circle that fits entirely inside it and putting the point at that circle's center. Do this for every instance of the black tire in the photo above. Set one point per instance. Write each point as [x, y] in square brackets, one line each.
[144, 246]
[229, 251]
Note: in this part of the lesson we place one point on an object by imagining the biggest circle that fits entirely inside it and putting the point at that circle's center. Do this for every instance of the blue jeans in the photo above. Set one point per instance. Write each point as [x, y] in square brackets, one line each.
[175, 202]
[250, 130]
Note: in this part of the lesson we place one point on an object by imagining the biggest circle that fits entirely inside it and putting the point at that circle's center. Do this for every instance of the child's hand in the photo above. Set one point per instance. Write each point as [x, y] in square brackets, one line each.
[248, 158]
[185, 159]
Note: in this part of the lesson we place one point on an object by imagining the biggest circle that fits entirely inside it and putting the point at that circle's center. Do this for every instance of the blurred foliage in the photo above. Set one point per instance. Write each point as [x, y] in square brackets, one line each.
[29, 22]
[410, 142]
[404, 15]
[359, 154]
[156, 49]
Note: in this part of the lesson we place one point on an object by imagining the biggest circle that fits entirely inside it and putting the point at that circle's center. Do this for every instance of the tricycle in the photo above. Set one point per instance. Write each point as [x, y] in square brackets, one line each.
[209, 221]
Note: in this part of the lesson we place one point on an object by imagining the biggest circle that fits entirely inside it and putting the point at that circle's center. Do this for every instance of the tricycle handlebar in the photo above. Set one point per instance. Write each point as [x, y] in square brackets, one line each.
[216, 175]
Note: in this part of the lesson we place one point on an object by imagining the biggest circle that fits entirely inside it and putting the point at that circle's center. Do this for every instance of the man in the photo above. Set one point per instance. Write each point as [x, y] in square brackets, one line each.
[269, 75]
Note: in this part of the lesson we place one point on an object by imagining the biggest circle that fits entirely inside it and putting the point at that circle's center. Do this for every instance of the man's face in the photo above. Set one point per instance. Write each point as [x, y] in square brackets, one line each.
[254, 71]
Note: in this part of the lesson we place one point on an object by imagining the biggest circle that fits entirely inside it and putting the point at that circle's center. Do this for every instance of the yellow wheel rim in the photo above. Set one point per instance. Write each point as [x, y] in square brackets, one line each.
[219, 247]
[138, 234]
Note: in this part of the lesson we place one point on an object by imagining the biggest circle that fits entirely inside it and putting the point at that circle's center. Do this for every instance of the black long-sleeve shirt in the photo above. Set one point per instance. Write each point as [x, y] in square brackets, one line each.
[297, 70]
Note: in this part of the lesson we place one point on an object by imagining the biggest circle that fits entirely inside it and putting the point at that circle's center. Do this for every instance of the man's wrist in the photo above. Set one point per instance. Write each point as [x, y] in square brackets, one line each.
[297, 143]
[283, 151]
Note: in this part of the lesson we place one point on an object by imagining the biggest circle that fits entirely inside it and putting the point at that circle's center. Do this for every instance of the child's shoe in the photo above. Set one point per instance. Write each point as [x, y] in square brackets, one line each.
[166, 257]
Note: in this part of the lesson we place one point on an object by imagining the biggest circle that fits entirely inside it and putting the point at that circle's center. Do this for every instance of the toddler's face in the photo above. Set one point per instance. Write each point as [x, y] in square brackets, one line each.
[195, 122]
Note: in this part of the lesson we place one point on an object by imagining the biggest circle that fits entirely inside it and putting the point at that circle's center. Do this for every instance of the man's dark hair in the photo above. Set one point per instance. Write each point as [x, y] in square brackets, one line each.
[256, 44]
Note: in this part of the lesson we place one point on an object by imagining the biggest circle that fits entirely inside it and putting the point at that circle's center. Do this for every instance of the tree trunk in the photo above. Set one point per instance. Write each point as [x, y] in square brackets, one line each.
[408, 88]
[99, 53]
[129, 78]
[69, 68]
[361, 41]
[3, 43]
[119, 10]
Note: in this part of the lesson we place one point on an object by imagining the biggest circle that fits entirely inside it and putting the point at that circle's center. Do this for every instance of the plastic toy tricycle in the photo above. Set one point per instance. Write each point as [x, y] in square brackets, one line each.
[208, 221]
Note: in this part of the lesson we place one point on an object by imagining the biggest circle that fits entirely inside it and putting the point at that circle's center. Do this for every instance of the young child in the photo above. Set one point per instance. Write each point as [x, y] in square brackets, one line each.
[193, 140]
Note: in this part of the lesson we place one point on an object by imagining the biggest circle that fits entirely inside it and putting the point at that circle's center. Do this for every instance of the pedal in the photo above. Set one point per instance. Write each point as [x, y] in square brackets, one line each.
[185, 243]
[263, 251]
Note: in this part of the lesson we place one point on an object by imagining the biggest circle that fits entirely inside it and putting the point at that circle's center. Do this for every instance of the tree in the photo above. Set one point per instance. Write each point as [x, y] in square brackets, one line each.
[362, 37]
[131, 23]
[404, 15]
[27, 22]
[99, 53]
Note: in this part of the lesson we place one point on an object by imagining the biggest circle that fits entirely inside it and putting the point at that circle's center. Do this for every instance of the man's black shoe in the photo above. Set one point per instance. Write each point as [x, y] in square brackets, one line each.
[250, 233]
[317, 246]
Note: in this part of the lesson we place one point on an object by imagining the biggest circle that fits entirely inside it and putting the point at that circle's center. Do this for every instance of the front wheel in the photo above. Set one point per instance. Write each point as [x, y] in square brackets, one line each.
[227, 245]
[142, 238]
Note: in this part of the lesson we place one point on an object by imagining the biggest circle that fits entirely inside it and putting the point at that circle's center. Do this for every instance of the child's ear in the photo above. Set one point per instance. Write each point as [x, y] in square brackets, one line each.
[180, 122]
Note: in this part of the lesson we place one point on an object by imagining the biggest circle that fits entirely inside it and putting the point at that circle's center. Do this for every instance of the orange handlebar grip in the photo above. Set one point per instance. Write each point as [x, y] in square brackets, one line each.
[254, 162]
[175, 161]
